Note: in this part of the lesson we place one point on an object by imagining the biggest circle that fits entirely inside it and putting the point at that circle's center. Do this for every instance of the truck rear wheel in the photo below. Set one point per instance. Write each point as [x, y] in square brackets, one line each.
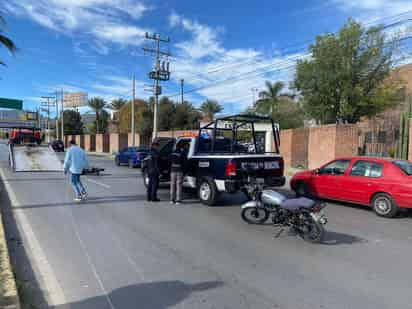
[207, 191]
[145, 176]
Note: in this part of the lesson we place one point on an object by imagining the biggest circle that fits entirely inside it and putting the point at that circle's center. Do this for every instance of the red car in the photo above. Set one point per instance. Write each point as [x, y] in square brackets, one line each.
[384, 184]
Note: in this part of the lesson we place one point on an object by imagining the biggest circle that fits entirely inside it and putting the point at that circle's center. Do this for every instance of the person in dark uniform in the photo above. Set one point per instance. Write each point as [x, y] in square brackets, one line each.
[153, 172]
[176, 176]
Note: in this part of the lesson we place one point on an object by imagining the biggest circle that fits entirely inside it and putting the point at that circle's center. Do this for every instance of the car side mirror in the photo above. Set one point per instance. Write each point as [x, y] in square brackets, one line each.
[316, 171]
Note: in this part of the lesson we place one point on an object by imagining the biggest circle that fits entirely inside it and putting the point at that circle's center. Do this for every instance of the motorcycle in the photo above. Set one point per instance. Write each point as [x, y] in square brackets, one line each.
[303, 215]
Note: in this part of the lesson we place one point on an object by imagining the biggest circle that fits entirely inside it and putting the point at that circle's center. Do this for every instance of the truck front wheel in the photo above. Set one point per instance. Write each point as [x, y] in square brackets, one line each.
[207, 191]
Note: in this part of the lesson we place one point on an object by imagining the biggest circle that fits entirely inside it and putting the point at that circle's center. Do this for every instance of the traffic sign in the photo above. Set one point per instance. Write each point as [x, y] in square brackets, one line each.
[11, 103]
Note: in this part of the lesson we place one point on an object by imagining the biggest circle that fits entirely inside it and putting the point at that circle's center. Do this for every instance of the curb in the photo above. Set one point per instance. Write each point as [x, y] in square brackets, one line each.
[99, 154]
[9, 298]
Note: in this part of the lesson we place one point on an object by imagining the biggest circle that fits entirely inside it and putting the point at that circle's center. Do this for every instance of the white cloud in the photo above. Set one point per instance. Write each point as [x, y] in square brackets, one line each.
[204, 40]
[104, 19]
[374, 10]
[226, 75]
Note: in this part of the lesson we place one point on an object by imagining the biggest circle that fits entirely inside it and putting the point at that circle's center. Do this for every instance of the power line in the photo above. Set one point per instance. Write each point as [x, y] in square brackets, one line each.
[265, 70]
[301, 45]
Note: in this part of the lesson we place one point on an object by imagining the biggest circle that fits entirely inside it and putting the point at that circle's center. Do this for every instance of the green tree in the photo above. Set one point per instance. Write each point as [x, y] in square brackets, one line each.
[98, 105]
[102, 123]
[117, 104]
[73, 124]
[269, 98]
[186, 116]
[288, 114]
[167, 111]
[143, 119]
[4, 40]
[348, 75]
[210, 108]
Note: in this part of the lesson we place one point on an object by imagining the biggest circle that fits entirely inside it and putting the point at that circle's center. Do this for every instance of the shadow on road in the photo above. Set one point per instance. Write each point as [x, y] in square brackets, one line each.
[30, 293]
[111, 200]
[153, 295]
[335, 238]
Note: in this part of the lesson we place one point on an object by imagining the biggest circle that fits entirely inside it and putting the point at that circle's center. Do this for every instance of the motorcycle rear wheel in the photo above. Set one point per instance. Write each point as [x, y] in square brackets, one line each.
[255, 215]
[312, 231]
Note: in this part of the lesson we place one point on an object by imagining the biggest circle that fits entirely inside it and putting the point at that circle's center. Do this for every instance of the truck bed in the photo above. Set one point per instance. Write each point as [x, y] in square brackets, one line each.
[34, 159]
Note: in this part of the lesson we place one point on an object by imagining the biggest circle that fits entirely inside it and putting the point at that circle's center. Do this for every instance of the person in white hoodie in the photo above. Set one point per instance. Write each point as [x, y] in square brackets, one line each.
[75, 162]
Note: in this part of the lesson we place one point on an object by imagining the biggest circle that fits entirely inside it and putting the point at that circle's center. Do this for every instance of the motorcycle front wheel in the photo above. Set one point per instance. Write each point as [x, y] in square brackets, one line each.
[255, 215]
[312, 230]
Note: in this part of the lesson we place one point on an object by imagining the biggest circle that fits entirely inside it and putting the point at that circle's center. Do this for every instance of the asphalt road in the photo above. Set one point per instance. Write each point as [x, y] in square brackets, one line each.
[118, 251]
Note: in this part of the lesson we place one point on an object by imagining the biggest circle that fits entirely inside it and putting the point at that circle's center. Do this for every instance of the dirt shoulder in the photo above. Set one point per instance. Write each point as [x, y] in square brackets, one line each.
[8, 292]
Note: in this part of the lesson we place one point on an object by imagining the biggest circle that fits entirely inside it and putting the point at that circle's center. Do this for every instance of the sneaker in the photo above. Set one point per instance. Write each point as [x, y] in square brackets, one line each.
[77, 199]
[172, 202]
[84, 196]
[177, 203]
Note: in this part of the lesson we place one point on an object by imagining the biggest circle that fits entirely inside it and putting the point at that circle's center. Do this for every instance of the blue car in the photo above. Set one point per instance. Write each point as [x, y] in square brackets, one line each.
[132, 156]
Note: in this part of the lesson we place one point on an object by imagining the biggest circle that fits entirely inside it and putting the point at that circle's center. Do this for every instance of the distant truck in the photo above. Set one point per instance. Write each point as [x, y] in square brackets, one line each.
[20, 136]
[221, 153]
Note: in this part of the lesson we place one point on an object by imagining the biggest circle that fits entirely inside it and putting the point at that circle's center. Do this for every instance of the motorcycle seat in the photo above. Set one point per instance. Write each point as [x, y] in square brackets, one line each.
[294, 204]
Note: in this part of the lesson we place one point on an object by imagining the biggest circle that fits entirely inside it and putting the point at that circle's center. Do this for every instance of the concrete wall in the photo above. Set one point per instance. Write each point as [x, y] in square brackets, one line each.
[78, 140]
[307, 147]
[130, 141]
[118, 142]
[99, 142]
[177, 133]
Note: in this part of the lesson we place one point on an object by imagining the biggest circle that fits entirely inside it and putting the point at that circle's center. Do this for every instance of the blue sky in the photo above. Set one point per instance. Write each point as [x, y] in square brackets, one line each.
[222, 48]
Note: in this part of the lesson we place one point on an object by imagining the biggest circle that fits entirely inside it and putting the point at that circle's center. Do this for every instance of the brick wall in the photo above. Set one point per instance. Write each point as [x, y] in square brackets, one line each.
[321, 148]
[300, 147]
[347, 140]
[286, 146]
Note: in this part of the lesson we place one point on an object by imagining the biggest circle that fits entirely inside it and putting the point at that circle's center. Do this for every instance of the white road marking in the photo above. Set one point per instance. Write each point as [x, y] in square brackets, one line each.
[90, 262]
[54, 295]
[98, 183]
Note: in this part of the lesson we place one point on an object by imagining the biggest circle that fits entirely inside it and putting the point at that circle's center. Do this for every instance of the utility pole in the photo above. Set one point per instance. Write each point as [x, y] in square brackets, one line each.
[62, 111]
[57, 117]
[182, 81]
[161, 72]
[47, 104]
[133, 113]
[254, 91]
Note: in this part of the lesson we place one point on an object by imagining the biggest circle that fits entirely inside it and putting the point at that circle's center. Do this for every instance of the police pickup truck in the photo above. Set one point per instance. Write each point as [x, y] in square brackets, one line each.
[220, 154]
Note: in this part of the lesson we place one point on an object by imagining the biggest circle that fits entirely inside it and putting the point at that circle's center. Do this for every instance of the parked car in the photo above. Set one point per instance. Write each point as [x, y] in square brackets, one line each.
[57, 145]
[383, 184]
[132, 156]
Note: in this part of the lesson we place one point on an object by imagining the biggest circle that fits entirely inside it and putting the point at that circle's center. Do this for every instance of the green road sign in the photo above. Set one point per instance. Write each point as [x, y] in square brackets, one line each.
[11, 103]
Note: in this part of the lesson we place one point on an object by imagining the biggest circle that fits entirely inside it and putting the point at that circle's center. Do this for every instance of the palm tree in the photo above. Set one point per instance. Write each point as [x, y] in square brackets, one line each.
[117, 104]
[210, 108]
[97, 105]
[5, 41]
[269, 98]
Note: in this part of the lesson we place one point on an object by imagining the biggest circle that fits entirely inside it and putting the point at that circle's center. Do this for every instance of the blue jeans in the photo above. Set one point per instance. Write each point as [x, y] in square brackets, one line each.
[77, 185]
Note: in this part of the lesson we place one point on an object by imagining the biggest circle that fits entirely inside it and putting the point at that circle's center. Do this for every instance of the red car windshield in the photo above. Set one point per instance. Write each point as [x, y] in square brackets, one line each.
[405, 166]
